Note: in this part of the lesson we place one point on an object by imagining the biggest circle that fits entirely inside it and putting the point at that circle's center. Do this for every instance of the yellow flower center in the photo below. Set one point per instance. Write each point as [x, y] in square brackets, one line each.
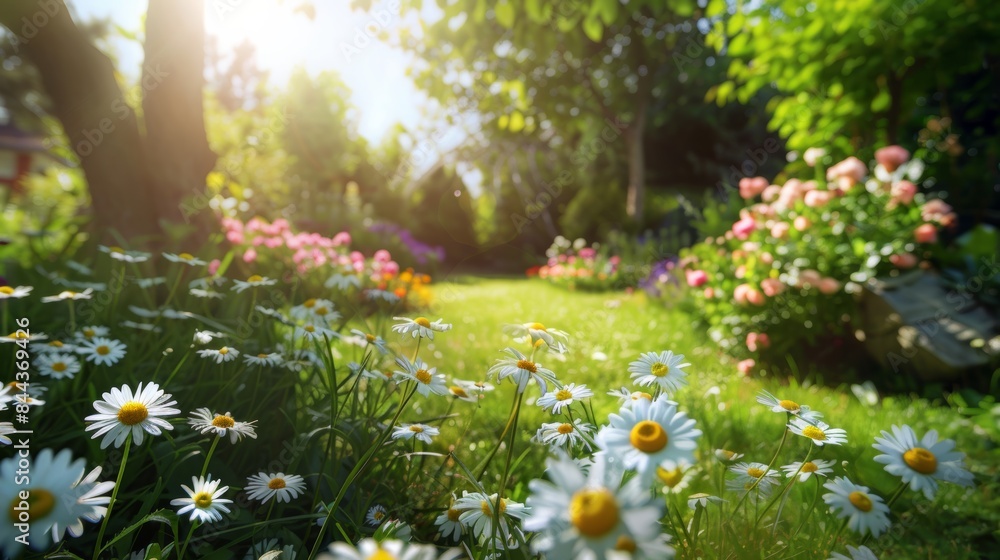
[423, 322]
[223, 421]
[809, 467]
[41, 502]
[89, 333]
[56, 344]
[262, 356]
[103, 350]
[487, 509]
[860, 501]
[528, 366]
[790, 406]
[423, 376]
[6, 290]
[813, 432]
[563, 395]
[659, 370]
[59, 366]
[381, 555]
[202, 500]
[672, 477]
[458, 391]
[921, 460]
[626, 544]
[648, 436]
[310, 328]
[641, 395]
[18, 335]
[322, 311]
[536, 327]
[378, 515]
[309, 303]
[223, 350]
[186, 256]
[416, 429]
[727, 453]
[276, 483]
[453, 515]
[370, 337]
[255, 278]
[594, 512]
[755, 472]
[132, 413]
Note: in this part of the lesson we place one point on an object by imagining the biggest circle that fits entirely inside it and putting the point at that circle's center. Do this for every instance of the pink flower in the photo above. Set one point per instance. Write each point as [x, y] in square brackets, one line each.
[809, 278]
[790, 192]
[852, 169]
[829, 286]
[816, 199]
[235, 237]
[274, 242]
[250, 255]
[382, 256]
[740, 294]
[801, 223]
[925, 233]
[751, 187]
[766, 258]
[780, 230]
[891, 157]
[939, 211]
[757, 340]
[745, 367]
[709, 293]
[771, 193]
[342, 238]
[696, 278]
[772, 286]
[356, 257]
[587, 253]
[743, 228]
[813, 155]
[391, 267]
[903, 192]
[741, 271]
[213, 266]
[615, 260]
[903, 260]
[755, 297]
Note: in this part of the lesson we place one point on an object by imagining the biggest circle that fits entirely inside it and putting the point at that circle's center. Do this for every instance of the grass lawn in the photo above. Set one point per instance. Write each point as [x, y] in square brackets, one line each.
[610, 330]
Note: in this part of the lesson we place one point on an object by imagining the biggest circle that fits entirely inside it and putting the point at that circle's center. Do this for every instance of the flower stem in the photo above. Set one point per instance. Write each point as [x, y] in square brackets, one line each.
[211, 450]
[114, 495]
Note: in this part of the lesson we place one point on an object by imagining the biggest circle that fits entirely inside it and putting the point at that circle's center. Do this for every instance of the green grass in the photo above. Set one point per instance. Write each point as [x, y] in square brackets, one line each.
[958, 524]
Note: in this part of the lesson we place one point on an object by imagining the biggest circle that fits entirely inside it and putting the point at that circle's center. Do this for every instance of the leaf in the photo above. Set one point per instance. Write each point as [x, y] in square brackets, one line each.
[593, 29]
[479, 13]
[502, 122]
[608, 10]
[881, 101]
[516, 122]
[535, 11]
[505, 14]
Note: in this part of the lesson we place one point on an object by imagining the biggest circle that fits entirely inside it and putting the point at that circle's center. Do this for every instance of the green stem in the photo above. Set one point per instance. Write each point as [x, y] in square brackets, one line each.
[114, 495]
[72, 317]
[809, 511]
[211, 450]
[784, 437]
[784, 493]
[506, 468]
[187, 539]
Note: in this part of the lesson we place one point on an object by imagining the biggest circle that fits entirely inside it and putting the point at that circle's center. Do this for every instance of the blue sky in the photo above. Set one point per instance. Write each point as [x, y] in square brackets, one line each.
[335, 40]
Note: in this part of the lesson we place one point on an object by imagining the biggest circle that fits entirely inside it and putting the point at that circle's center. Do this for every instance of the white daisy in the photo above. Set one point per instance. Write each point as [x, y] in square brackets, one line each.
[560, 435]
[343, 282]
[469, 391]
[91, 332]
[123, 412]
[56, 346]
[419, 327]
[258, 550]
[120, 254]
[384, 295]
[147, 327]
[204, 500]
[204, 337]
[221, 425]
[701, 500]
[521, 370]
[60, 497]
[427, 378]
[7, 292]
[23, 337]
[422, 432]
[373, 340]
[313, 333]
[820, 432]
[755, 494]
[663, 369]
[389, 549]
[677, 479]
[592, 515]
[727, 455]
[449, 525]
[479, 510]
[376, 515]
[626, 397]
[224, 354]
[6, 428]
[787, 406]
[273, 359]
[921, 462]
[866, 512]
[647, 435]
[254, 281]
[807, 469]
[184, 258]
[17, 392]
[79, 268]
[205, 294]
[747, 474]
[280, 486]
[208, 282]
[537, 334]
[69, 295]
[102, 351]
[146, 283]
[315, 309]
[273, 313]
[57, 365]
[860, 553]
[556, 400]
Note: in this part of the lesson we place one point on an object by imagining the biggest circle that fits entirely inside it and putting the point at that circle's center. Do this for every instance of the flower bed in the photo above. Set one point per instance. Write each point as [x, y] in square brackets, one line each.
[575, 265]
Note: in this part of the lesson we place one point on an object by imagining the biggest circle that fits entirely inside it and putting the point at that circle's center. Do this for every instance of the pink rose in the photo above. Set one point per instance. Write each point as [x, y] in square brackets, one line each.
[829, 286]
[813, 155]
[766, 258]
[891, 157]
[925, 233]
[751, 187]
[391, 267]
[745, 367]
[903, 192]
[342, 238]
[741, 271]
[382, 256]
[780, 230]
[743, 228]
[696, 278]
[771, 193]
[772, 286]
[709, 293]
[757, 340]
[903, 260]
[250, 255]
[740, 294]
[852, 169]
[755, 297]
[809, 278]
[801, 223]
[816, 199]
[235, 237]
[939, 211]
[356, 257]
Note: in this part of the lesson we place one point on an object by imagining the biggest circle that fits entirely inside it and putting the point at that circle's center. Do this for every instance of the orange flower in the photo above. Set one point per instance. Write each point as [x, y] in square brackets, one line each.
[400, 292]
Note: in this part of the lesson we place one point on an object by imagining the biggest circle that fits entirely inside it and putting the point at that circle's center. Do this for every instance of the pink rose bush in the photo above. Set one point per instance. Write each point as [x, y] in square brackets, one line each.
[579, 265]
[784, 275]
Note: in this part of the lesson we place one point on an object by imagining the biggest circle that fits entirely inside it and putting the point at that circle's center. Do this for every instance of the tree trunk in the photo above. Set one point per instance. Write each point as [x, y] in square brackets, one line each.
[173, 79]
[102, 129]
[635, 198]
